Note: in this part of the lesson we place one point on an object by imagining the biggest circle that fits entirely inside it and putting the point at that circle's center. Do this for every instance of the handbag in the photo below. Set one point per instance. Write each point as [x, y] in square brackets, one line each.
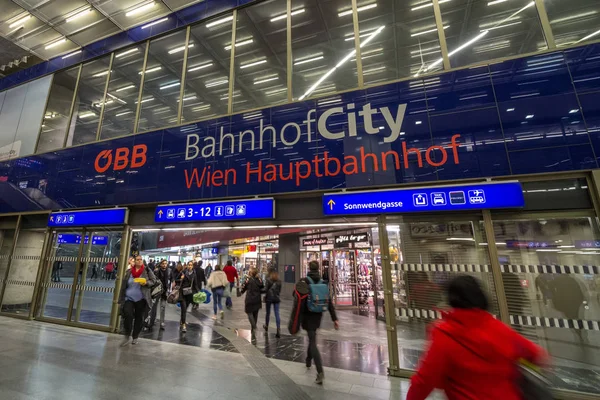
[533, 384]
[173, 297]
[227, 291]
[157, 290]
[186, 291]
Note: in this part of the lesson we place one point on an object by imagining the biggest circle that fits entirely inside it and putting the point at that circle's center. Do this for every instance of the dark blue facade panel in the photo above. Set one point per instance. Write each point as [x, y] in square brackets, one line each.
[534, 115]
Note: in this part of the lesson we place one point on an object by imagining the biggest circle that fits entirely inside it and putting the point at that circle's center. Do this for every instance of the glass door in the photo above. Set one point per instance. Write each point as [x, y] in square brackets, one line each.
[61, 270]
[96, 276]
[80, 273]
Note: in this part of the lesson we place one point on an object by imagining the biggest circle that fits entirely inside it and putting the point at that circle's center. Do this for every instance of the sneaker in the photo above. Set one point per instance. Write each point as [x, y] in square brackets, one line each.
[308, 363]
[229, 307]
[214, 317]
[135, 341]
[320, 378]
[184, 328]
[162, 326]
[278, 334]
[125, 341]
[222, 314]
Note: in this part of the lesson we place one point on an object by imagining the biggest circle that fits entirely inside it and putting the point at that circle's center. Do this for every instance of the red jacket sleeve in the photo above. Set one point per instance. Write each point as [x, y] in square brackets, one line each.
[530, 351]
[432, 369]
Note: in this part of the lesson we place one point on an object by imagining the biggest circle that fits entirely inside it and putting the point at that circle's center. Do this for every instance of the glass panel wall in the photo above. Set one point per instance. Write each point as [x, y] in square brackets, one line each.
[123, 92]
[407, 43]
[24, 266]
[261, 55]
[7, 237]
[573, 22]
[424, 255]
[58, 109]
[490, 29]
[162, 81]
[208, 64]
[322, 38]
[552, 293]
[88, 103]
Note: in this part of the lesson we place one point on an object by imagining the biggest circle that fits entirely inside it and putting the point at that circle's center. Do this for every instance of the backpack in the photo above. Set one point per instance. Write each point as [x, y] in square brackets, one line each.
[318, 296]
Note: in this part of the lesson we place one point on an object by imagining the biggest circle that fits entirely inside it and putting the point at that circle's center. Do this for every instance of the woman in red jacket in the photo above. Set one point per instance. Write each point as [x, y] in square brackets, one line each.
[472, 355]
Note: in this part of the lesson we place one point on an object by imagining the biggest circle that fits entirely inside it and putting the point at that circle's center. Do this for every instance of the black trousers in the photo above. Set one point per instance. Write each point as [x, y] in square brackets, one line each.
[184, 303]
[133, 317]
[253, 318]
[313, 351]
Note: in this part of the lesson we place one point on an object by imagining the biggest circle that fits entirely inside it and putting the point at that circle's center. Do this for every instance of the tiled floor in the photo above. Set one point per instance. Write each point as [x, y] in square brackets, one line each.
[40, 361]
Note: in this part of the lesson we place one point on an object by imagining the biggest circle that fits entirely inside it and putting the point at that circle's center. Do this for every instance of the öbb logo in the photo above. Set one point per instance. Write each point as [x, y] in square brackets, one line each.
[104, 160]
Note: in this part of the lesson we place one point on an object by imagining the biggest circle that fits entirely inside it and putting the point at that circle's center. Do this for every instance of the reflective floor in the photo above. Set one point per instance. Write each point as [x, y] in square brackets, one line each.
[42, 361]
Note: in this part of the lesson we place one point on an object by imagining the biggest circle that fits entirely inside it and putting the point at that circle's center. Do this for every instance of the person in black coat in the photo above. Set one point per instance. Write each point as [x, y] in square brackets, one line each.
[272, 298]
[163, 275]
[188, 286]
[253, 287]
[311, 321]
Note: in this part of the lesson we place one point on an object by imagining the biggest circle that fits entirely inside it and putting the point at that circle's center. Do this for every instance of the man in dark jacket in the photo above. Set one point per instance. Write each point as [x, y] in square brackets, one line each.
[162, 274]
[311, 321]
[200, 279]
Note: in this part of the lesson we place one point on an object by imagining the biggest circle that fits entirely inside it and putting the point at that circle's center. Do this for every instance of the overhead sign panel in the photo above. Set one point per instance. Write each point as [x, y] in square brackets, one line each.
[111, 216]
[234, 210]
[432, 199]
[71, 238]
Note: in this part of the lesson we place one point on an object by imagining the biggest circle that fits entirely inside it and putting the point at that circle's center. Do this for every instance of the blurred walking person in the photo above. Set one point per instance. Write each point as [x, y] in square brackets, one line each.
[272, 298]
[135, 298]
[253, 288]
[217, 283]
[188, 286]
[312, 308]
[200, 279]
[471, 354]
[162, 275]
[233, 278]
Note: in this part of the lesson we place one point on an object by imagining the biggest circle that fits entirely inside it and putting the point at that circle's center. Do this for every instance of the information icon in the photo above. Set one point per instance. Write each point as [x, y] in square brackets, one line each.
[71, 218]
[240, 209]
[219, 211]
[229, 211]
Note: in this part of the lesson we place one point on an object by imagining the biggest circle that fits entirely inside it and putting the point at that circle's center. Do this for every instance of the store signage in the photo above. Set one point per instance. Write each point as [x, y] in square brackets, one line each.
[444, 198]
[234, 210]
[528, 244]
[251, 248]
[112, 216]
[70, 238]
[314, 242]
[345, 241]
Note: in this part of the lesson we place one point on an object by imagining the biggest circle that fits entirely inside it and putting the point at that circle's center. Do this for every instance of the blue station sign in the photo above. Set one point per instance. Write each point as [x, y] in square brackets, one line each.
[233, 210]
[71, 238]
[111, 216]
[432, 199]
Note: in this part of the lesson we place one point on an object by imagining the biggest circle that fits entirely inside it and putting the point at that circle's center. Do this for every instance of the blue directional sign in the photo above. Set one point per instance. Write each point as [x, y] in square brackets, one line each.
[71, 238]
[233, 210]
[111, 216]
[432, 199]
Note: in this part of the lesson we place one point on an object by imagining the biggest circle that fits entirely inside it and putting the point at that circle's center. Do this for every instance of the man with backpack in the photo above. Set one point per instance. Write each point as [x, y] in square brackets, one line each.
[311, 300]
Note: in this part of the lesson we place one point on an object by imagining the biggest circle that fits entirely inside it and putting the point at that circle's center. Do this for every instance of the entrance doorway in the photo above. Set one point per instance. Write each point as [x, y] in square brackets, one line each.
[80, 270]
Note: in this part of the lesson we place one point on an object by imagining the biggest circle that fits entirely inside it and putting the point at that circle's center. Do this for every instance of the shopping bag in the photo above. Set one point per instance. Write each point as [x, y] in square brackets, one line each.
[227, 291]
[200, 298]
[533, 384]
